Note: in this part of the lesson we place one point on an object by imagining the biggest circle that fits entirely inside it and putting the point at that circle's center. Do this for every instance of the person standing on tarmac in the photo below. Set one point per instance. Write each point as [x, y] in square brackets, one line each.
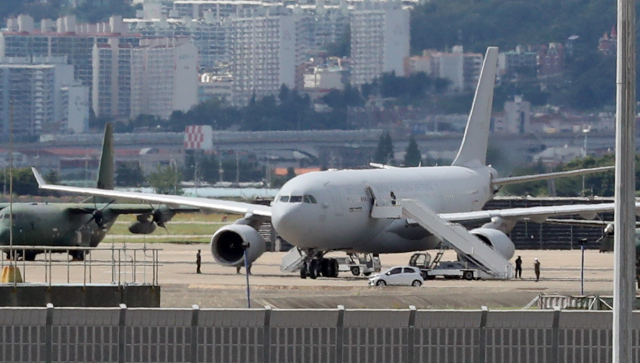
[519, 267]
[198, 262]
[536, 268]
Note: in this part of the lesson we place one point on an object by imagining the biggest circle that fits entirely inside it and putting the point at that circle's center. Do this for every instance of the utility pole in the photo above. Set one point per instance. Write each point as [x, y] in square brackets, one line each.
[625, 213]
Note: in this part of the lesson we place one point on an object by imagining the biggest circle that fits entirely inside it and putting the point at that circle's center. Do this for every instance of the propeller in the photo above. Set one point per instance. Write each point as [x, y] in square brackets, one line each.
[97, 215]
[157, 218]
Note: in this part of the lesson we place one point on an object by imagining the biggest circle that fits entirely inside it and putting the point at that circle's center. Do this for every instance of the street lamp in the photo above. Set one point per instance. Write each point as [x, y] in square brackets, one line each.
[245, 247]
[583, 242]
[585, 131]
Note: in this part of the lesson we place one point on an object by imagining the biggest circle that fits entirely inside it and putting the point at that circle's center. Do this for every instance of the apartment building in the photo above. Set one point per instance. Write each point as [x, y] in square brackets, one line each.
[460, 68]
[64, 38]
[266, 52]
[379, 40]
[155, 78]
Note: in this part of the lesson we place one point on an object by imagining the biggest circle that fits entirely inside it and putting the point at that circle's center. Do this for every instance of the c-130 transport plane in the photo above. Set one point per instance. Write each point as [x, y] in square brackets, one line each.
[385, 210]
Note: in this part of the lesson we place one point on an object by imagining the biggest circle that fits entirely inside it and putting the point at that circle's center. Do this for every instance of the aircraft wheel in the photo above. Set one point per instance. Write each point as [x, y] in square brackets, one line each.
[324, 267]
[416, 283]
[468, 275]
[335, 267]
[303, 271]
[381, 283]
[313, 269]
[77, 255]
[30, 255]
[355, 271]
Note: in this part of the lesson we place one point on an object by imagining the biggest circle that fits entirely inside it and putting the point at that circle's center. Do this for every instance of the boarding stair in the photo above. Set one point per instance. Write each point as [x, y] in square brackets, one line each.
[293, 260]
[459, 238]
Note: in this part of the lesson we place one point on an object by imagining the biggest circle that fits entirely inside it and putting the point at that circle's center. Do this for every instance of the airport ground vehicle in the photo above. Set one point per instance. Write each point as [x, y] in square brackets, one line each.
[398, 275]
[359, 263]
[430, 269]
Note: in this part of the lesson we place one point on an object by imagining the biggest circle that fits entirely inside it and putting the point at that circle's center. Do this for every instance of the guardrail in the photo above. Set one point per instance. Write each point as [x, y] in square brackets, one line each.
[137, 265]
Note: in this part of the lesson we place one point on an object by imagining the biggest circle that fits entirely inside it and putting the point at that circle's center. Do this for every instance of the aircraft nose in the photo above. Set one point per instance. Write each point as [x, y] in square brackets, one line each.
[4, 236]
[289, 221]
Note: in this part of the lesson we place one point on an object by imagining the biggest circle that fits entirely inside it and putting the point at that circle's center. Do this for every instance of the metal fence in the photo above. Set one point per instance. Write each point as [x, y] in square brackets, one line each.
[280, 336]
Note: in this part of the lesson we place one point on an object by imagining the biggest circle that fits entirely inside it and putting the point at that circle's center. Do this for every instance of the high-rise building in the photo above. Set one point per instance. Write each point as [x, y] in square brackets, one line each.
[35, 94]
[461, 69]
[379, 40]
[66, 38]
[265, 53]
[155, 78]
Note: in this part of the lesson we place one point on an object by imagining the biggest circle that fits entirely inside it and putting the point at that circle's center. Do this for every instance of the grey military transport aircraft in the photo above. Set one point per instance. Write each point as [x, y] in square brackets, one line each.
[384, 210]
[78, 224]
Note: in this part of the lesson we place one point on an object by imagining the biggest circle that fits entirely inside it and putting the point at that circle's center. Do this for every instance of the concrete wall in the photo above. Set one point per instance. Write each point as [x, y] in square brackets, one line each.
[80, 296]
[279, 336]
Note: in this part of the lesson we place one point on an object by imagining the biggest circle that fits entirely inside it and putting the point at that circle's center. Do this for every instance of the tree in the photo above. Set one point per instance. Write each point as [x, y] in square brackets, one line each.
[166, 180]
[129, 174]
[24, 183]
[412, 157]
[52, 177]
[384, 152]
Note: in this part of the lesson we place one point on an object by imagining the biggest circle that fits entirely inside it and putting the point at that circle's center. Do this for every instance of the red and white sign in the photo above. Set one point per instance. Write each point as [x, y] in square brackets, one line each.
[198, 137]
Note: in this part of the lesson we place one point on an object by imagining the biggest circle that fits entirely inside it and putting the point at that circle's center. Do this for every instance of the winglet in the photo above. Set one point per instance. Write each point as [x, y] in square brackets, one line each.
[39, 178]
[476, 136]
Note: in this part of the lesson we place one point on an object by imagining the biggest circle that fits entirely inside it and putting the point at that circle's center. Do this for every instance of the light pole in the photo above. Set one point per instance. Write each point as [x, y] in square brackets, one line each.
[583, 242]
[175, 174]
[245, 247]
[585, 131]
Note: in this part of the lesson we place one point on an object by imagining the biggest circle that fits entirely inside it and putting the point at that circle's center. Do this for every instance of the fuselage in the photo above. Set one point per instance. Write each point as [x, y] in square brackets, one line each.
[51, 225]
[331, 210]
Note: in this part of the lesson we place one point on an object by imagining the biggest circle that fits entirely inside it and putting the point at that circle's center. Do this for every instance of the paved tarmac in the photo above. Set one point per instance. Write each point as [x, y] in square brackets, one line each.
[219, 286]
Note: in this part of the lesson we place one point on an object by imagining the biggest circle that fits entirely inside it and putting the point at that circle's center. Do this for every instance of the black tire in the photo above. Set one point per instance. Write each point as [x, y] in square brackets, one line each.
[303, 271]
[334, 267]
[381, 283]
[355, 271]
[467, 275]
[424, 275]
[367, 273]
[313, 269]
[416, 283]
[324, 268]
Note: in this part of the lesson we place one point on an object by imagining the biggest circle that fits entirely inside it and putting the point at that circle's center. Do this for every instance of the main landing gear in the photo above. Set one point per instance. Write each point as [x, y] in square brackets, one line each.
[315, 266]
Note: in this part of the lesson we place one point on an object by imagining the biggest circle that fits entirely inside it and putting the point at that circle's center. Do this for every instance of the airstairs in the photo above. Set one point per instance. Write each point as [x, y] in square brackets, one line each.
[293, 260]
[456, 235]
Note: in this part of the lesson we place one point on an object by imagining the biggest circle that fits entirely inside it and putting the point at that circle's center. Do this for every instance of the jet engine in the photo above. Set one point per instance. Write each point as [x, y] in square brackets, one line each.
[228, 243]
[499, 241]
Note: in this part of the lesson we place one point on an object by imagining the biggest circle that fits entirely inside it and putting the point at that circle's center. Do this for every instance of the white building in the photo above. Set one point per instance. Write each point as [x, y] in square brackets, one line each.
[265, 53]
[156, 78]
[33, 93]
[379, 40]
[461, 69]
[215, 86]
[517, 117]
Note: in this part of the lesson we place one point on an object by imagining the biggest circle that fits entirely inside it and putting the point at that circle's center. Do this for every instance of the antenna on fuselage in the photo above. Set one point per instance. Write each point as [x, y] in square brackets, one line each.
[473, 150]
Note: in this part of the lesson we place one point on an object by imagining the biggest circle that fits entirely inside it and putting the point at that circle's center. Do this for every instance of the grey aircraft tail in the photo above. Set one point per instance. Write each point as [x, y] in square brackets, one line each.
[473, 151]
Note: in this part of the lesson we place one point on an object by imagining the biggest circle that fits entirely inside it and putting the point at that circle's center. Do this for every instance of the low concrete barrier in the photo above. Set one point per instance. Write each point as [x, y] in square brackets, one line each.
[79, 296]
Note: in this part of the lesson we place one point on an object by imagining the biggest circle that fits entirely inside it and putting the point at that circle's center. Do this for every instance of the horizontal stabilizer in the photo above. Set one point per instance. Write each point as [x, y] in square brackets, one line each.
[560, 174]
[381, 166]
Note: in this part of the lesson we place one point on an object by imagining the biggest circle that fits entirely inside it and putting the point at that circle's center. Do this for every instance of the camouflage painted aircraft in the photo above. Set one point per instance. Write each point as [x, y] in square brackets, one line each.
[79, 224]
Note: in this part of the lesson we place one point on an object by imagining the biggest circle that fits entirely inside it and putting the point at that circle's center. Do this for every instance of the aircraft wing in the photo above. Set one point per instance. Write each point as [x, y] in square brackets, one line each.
[130, 208]
[202, 203]
[535, 214]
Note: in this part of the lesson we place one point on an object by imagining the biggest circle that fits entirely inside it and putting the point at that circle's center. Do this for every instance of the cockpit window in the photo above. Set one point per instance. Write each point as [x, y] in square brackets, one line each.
[284, 199]
[296, 199]
[7, 216]
[309, 199]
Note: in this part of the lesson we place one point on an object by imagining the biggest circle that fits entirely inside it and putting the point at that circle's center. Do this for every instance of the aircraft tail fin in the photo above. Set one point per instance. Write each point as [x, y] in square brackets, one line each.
[106, 172]
[473, 150]
[106, 168]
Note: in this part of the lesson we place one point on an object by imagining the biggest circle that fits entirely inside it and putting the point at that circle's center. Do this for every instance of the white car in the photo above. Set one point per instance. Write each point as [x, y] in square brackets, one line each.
[398, 275]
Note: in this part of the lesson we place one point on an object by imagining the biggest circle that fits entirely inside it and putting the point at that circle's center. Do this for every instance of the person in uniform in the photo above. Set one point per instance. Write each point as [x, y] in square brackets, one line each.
[536, 268]
[198, 262]
[519, 267]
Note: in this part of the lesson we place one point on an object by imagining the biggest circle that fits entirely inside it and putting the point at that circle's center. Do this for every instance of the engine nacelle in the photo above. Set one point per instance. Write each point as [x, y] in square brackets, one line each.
[227, 244]
[142, 227]
[499, 241]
